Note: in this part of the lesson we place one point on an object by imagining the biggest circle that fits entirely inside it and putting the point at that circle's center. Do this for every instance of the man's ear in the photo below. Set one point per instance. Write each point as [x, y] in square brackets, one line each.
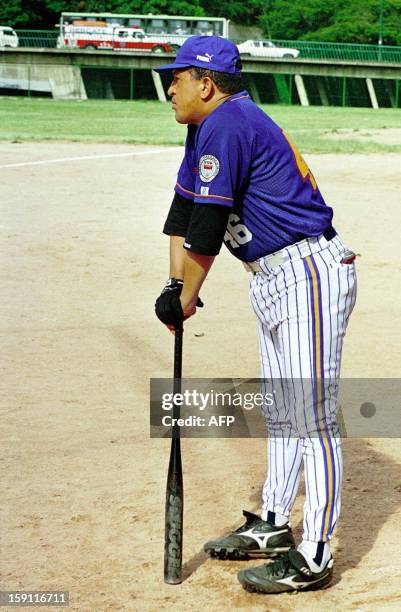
[207, 88]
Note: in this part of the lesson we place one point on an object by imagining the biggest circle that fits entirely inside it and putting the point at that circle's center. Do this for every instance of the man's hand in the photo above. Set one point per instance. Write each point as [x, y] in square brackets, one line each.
[169, 308]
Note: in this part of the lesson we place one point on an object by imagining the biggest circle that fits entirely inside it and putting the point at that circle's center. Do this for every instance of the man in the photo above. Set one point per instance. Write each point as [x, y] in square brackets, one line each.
[244, 183]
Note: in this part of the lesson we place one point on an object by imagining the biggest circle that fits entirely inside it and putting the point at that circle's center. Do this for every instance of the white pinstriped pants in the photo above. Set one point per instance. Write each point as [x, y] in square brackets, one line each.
[302, 299]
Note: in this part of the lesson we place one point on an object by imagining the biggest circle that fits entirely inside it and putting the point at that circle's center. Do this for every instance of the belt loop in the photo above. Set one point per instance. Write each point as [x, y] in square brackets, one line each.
[329, 234]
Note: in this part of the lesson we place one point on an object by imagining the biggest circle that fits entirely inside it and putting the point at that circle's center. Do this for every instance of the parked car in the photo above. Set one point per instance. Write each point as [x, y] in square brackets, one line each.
[8, 38]
[265, 48]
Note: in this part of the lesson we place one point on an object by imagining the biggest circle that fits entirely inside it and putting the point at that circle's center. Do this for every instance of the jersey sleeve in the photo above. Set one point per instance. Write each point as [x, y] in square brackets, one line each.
[222, 159]
[185, 185]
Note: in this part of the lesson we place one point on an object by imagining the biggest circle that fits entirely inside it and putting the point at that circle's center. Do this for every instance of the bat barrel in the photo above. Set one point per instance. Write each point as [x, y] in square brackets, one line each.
[174, 489]
[174, 517]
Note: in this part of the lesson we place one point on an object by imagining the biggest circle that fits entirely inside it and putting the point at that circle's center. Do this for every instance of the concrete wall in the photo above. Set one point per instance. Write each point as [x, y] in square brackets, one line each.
[62, 80]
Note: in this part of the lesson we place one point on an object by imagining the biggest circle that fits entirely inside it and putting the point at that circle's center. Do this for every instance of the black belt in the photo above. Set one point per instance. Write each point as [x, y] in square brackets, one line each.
[330, 233]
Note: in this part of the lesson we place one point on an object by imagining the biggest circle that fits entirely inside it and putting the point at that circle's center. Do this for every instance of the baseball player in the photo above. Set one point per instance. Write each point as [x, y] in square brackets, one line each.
[243, 182]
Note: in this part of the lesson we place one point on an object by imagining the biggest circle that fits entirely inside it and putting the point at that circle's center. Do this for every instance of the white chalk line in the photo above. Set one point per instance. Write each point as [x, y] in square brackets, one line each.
[84, 157]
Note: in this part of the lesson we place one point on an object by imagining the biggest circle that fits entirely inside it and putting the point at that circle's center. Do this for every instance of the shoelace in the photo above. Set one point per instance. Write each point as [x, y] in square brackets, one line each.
[279, 568]
[243, 527]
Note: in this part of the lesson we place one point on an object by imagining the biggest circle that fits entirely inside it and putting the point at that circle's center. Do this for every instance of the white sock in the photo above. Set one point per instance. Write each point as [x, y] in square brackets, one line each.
[280, 520]
[308, 549]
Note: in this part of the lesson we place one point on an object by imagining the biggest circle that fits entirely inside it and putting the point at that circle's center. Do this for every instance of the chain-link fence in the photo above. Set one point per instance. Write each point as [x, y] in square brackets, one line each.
[152, 43]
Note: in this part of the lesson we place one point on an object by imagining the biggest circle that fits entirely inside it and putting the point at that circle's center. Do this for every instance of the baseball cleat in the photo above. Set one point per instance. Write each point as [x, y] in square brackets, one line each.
[289, 573]
[256, 538]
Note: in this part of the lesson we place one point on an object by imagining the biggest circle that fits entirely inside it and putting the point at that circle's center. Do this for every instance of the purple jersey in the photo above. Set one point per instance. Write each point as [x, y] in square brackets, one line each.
[238, 157]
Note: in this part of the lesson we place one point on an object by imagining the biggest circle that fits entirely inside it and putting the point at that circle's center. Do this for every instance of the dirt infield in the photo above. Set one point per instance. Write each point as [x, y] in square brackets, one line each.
[83, 486]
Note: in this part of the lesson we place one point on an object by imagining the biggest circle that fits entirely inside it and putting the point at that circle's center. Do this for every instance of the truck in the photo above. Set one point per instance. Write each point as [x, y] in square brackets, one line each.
[8, 37]
[104, 37]
[266, 48]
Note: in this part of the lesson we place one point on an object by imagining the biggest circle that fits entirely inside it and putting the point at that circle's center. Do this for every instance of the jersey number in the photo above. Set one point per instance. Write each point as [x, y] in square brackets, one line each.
[236, 233]
[301, 163]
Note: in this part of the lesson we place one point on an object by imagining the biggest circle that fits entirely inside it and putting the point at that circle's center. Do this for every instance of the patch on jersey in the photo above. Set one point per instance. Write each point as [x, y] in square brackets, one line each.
[204, 190]
[209, 167]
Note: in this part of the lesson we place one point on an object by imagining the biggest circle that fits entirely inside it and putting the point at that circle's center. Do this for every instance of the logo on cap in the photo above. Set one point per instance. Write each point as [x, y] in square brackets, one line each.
[205, 58]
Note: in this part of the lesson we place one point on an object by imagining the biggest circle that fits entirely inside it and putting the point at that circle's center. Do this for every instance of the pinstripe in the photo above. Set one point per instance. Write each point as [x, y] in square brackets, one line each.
[330, 322]
[310, 330]
[335, 467]
[289, 370]
[295, 484]
[339, 479]
[308, 499]
[272, 302]
[292, 479]
[338, 339]
[279, 334]
[296, 290]
[317, 318]
[268, 307]
[276, 472]
[280, 374]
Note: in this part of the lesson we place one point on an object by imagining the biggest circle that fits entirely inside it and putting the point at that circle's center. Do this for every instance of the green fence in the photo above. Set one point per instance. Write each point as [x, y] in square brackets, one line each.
[308, 49]
[38, 38]
[343, 51]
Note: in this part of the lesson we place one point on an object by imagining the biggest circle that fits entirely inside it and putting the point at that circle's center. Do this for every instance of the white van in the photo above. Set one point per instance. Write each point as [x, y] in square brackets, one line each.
[8, 38]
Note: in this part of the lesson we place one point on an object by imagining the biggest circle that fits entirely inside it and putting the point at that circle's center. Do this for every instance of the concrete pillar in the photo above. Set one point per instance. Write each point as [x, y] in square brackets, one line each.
[299, 84]
[63, 81]
[322, 91]
[66, 82]
[159, 86]
[390, 92]
[372, 93]
[253, 89]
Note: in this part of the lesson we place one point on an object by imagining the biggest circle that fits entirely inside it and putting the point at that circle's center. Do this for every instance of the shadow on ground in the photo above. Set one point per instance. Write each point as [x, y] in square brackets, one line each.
[371, 494]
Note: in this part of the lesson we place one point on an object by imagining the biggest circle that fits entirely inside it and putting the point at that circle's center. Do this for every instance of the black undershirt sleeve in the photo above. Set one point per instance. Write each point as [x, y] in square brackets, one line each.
[207, 228]
[179, 216]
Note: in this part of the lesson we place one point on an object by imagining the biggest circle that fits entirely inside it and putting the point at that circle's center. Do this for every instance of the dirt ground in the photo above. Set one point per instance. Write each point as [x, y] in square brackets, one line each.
[83, 485]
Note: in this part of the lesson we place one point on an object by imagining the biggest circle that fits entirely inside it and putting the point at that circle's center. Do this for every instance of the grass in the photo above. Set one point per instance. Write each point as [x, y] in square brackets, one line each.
[150, 122]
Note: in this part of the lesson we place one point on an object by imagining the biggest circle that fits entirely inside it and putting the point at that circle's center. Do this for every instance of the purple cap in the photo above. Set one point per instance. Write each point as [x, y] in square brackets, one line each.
[210, 52]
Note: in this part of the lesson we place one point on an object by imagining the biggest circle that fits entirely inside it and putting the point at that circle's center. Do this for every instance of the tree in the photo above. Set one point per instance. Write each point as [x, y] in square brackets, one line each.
[166, 7]
[15, 13]
[334, 20]
[323, 20]
[238, 11]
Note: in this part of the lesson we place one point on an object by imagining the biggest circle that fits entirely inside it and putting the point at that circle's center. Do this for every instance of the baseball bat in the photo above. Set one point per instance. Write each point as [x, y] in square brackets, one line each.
[174, 489]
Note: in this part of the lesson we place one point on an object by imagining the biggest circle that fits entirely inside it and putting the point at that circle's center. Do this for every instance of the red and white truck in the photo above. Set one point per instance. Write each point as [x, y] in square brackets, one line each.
[104, 37]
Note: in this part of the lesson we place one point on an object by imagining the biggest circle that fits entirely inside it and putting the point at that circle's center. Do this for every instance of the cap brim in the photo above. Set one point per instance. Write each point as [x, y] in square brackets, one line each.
[170, 67]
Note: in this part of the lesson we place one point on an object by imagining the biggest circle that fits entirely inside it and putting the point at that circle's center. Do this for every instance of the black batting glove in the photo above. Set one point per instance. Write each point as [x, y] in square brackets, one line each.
[168, 306]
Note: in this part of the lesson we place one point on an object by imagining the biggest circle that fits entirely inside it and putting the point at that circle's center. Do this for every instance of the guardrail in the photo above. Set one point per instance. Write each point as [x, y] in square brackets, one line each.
[308, 49]
[38, 38]
[343, 51]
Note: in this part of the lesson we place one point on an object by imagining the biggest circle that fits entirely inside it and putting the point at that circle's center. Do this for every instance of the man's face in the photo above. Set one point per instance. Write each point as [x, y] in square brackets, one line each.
[185, 92]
